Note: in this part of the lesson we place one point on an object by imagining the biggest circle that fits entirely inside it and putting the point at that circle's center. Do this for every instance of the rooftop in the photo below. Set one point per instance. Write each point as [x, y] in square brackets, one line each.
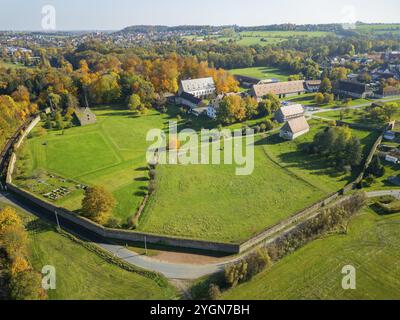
[198, 84]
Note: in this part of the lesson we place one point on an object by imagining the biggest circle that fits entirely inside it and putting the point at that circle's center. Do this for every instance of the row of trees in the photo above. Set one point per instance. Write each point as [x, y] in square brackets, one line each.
[109, 78]
[22, 282]
[14, 109]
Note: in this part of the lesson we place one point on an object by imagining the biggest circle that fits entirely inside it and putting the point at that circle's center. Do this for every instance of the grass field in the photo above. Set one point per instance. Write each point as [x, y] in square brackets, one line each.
[211, 202]
[262, 73]
[314, 272]
[81, 274]
[110, 153]
[263, 38]
[379, 28]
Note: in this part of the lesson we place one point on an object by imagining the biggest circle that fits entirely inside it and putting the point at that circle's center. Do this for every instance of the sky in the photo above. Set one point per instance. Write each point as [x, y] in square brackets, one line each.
[116, 14]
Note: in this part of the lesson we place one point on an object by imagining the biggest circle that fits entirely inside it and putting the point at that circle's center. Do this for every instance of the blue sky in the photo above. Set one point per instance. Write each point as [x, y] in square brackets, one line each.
[117, 14]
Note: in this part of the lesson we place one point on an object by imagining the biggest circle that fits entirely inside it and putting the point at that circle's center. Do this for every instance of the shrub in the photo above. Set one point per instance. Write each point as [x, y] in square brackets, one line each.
[235, 273]
[152, 174]
[257, 262]
[26, 285]
[152, 187]
[214, 292]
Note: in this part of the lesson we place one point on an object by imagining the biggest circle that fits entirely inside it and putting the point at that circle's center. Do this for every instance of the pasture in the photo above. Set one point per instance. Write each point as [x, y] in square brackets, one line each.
[81, 274]
[262, 38]
[109, 153]
[314, 271]
[211, 202]
[262, 73]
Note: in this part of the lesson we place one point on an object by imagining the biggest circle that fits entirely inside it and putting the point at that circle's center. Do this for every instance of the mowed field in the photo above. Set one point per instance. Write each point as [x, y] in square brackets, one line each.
[81, 274]
[261, 73]
[263, 38]
[314, 272]
[212, 202]
[111, 153]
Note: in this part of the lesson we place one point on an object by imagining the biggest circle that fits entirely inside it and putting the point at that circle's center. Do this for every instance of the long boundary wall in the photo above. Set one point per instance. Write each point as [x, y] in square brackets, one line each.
[134, 236]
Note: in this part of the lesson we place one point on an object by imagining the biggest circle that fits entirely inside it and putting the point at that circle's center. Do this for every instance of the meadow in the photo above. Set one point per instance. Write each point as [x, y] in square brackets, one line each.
[262, 38]
[262, 73]
[81, 274]
[211, 202]
[111, 153]
[314, 271]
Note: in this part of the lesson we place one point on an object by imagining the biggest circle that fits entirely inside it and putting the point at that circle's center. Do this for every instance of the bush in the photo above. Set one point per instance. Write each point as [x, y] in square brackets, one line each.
[257, 262]
[27, 285]
[152, 187]
[214, 292]
[152, 174]
[235, 273]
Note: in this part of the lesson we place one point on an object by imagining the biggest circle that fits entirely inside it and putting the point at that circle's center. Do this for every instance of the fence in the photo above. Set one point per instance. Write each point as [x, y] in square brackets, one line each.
[177, 242]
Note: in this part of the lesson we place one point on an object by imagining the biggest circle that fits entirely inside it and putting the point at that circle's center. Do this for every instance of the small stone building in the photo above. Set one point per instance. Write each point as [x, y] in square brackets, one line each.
[85, 116]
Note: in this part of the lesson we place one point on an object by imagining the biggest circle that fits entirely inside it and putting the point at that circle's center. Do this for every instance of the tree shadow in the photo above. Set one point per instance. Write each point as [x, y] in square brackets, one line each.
[142, 179]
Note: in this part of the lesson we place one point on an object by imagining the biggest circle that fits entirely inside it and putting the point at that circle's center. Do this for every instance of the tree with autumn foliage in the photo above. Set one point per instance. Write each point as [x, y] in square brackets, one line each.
[24, 283]
[98, 204]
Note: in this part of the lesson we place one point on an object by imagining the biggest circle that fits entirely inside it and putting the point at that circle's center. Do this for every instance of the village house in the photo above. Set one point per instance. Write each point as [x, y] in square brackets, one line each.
[199, 88]
[85, 116]
[281, 89]
[294, 128]
[388, 91]
[353, 89]
[188, 100]
[246, 82]
[289, 112]
[313, 86]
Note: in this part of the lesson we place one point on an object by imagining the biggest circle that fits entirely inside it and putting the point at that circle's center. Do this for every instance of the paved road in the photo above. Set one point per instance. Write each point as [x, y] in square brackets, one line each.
[362, 105]
[394, 193]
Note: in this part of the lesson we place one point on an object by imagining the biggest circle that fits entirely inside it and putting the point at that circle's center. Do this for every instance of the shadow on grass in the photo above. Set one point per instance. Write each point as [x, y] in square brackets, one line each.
[300, 159]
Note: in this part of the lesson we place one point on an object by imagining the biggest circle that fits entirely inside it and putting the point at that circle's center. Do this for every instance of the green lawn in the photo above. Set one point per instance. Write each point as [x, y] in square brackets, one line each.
[211, 202]
[110, 153]
[81, 274]
[262, 38]
[314, 272]
[262, 73]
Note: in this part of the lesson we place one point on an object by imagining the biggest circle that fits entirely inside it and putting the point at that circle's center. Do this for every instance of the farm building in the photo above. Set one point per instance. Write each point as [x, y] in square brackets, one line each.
[313, 85]
[281, 89]
[387, 92]
[246, 82]
[85, 116]
[200, 88]
[294, 128]
[289, 112]
[353, 89]
[188, 100]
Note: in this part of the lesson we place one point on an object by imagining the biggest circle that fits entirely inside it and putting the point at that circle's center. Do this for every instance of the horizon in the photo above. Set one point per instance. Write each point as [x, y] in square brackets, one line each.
[76, 16]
